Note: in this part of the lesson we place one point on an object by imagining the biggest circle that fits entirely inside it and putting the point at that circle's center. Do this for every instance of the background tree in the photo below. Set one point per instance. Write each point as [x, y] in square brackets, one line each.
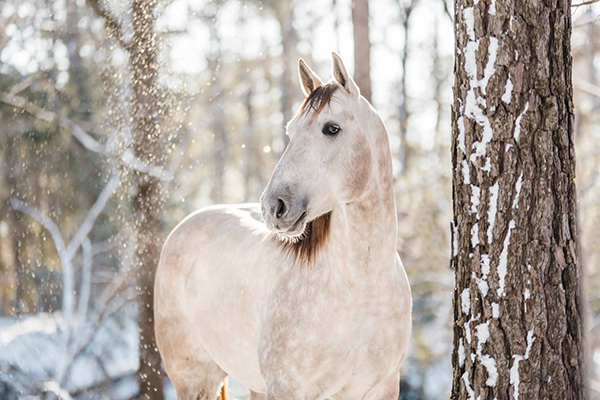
[518, 308]
[362, 47]
[147, 110]
[406, 8]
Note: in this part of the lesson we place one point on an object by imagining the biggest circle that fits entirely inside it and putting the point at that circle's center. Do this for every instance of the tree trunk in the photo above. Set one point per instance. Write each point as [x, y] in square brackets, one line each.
[221, 142]
[518, 310]
[145, 109]
[250, 150]
[80, 92]
[592, 50]
[403, 114]
[289, 38]
[218, 119]
[362, 47]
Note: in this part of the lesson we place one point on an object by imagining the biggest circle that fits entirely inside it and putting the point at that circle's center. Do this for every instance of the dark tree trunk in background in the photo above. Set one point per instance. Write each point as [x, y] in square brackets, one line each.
[592, 37]
[406, 9]
[518, 311]
[77, 74]
[284, 13]
[218, 119]
[250, 150]
[439, 78]
[148, 146]
[221, 141]
[362, 47]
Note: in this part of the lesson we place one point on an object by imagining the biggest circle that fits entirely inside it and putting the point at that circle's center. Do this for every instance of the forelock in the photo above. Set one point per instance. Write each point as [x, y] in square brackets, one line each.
[318, 98]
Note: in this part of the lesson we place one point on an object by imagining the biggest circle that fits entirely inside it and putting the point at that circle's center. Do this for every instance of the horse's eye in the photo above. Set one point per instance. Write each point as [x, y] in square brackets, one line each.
[331, 129]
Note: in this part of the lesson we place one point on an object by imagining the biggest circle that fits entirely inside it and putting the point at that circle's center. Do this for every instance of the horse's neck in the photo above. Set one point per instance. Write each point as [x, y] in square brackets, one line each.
[367, 229]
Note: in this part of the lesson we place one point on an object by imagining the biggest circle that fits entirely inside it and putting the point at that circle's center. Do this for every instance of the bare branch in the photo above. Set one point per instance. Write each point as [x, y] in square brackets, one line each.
[105, 245]
[587, 87]
[84, 138]
[86, 281]
[106, 298]
[585, 3]
[24, 84]
[43, 219]
[66, 253]
[447, 11]
[113, 26]
[138, 165]
[94, 212]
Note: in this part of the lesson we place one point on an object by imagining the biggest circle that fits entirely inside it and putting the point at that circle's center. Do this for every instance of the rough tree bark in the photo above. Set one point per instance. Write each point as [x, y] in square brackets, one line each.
[517, 302]
[148, 146]
[362, 47]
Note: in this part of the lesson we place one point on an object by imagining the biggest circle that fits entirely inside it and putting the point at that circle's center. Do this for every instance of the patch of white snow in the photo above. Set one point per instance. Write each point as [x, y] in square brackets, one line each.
[518, 122]
[465, 301]
[492, 210]
[503, 262]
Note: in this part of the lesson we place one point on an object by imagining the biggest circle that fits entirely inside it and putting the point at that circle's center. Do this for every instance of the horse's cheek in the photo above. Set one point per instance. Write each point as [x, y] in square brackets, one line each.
[358, 171]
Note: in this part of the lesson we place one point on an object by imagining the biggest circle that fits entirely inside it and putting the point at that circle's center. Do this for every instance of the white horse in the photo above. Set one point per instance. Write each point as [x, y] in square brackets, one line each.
[307, 299]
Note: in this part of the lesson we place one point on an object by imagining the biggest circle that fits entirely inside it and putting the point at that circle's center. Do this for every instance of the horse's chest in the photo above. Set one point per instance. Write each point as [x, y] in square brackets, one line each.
[313, 327]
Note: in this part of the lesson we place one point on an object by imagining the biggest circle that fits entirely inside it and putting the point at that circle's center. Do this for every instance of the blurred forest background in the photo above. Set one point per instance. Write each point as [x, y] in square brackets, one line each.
[226, 85]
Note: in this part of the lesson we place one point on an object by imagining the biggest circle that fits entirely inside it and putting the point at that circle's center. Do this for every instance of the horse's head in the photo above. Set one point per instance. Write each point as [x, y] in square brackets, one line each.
[328, 161]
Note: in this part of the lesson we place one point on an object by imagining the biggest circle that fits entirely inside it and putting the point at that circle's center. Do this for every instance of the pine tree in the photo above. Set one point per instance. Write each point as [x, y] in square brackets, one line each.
[518, 329]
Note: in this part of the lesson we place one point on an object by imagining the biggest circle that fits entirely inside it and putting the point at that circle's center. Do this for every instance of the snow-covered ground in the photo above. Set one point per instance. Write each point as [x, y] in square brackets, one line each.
[31, 347]
[30, 350]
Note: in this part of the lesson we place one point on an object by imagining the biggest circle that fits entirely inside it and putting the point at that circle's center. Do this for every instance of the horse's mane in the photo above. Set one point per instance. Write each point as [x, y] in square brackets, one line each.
[314, 237]
[319, 98]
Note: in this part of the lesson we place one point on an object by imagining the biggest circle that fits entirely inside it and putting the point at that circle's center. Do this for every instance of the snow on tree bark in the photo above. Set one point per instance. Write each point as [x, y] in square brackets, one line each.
[518, 330]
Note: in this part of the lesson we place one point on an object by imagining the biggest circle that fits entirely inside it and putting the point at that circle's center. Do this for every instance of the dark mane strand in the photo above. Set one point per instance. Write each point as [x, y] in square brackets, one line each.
[315, 236]
[319, 98]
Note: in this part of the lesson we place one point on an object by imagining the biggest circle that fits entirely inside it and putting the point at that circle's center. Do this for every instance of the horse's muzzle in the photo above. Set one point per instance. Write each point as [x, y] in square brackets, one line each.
[281, 213]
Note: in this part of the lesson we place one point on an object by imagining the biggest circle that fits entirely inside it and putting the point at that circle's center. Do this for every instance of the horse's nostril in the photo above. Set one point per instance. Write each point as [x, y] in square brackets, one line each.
[281, 209]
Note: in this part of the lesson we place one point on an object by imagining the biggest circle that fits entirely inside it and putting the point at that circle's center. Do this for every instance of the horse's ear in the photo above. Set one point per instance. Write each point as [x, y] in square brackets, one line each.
[309, 80]
[342, 76]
